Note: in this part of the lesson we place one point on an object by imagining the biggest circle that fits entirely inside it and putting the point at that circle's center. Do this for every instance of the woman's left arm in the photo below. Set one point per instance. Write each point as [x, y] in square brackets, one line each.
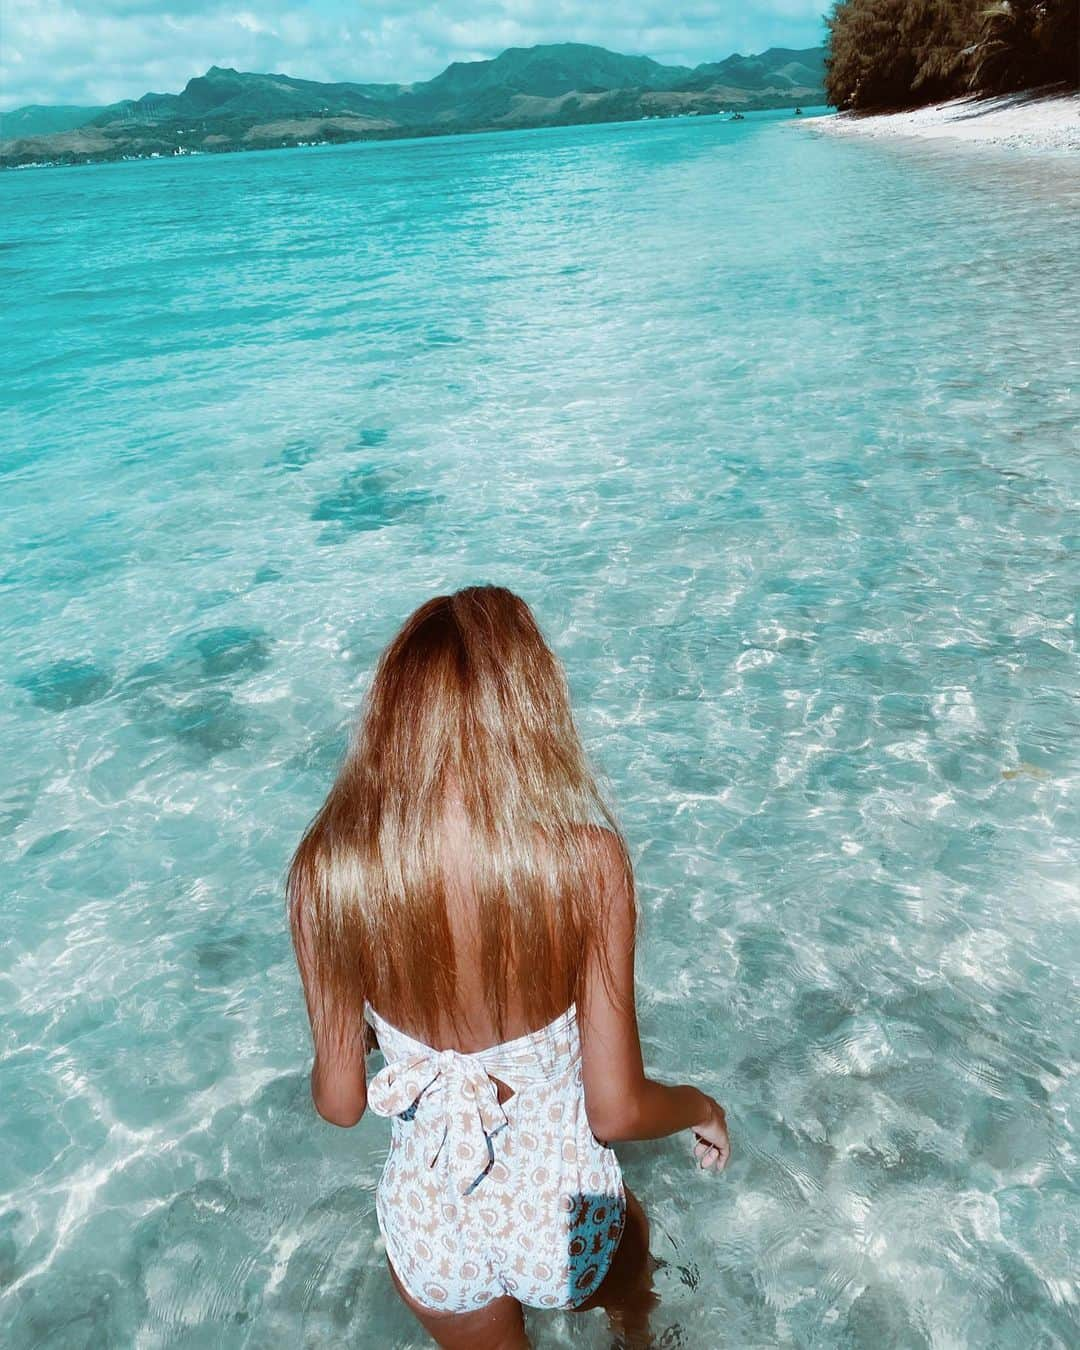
[339, 1074]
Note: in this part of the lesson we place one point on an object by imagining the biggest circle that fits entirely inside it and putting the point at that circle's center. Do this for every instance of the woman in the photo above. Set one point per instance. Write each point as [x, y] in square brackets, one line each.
[466, 893]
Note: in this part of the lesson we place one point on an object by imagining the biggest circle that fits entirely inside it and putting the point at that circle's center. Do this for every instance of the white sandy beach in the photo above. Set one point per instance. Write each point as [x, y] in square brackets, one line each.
[1018, 121]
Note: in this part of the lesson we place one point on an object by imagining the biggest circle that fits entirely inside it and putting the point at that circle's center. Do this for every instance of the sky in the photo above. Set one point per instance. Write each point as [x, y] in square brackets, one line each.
[99, 51]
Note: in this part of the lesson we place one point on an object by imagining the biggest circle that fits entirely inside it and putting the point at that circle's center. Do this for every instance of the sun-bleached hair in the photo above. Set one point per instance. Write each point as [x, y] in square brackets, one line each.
[469, 698]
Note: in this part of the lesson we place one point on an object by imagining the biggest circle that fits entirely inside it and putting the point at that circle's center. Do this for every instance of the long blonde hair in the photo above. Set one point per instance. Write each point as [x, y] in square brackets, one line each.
[469, 698]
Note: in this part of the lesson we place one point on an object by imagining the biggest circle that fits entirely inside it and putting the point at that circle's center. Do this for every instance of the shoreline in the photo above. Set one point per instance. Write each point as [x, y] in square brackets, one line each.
[79, 160]
[1029, 121]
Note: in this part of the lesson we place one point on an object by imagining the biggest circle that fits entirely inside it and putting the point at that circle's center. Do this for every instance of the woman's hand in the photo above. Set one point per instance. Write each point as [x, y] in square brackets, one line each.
[712, 1147]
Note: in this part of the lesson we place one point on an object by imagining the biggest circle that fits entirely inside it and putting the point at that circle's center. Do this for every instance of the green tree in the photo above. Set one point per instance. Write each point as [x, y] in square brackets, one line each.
[1024, 43]
[902, 53]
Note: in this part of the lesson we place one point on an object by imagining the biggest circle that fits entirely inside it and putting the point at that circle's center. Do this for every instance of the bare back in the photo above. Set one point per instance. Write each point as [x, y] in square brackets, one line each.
[470, 1026]
[610, 1043]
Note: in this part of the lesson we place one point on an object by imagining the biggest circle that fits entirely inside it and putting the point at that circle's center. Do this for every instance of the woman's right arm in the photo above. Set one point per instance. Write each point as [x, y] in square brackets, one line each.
[621, 1102]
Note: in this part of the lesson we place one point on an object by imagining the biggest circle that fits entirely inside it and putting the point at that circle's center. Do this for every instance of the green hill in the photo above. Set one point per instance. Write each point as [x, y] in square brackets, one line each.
[36, 120]
[548, 85]
[549, 71]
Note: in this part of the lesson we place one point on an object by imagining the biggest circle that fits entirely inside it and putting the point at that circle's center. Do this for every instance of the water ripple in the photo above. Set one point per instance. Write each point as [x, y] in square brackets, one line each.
[778, 435]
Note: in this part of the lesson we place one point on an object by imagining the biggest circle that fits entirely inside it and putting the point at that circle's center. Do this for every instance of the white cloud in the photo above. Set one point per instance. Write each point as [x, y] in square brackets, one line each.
[99, 51]
[252, 24]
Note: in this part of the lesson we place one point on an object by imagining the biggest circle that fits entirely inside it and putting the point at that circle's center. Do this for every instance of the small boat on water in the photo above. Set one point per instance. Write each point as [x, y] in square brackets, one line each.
[736, 117]
[798, 112]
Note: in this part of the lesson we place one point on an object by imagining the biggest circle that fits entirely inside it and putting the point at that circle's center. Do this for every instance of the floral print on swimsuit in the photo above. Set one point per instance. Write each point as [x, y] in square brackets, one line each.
[478, 1200]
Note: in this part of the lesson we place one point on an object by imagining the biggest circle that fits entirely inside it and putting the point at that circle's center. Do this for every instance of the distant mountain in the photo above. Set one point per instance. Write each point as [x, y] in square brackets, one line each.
[550, 71]
[228, 93]
[35, 120]
[555, 84]
[38, 120]
[777, 69]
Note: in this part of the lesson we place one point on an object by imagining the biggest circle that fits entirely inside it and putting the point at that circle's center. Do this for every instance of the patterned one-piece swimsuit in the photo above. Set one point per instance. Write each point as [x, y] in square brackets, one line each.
[478, 1200]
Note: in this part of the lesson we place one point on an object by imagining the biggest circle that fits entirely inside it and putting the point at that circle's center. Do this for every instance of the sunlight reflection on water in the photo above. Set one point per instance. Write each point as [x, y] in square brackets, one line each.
[778, 436]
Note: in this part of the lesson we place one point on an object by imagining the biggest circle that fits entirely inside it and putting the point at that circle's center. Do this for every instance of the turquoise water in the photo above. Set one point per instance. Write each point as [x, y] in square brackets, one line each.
[778, 435]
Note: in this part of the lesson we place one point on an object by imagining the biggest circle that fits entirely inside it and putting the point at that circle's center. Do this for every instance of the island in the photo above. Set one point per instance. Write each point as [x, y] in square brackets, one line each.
[557, 84]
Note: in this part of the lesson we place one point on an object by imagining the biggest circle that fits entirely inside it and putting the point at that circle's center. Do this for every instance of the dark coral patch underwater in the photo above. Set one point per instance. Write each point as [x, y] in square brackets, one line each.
[66, 684]
[370, 499]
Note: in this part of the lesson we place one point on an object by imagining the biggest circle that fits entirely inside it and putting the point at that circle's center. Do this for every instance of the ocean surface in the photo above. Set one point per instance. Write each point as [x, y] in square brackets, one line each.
[778, 435]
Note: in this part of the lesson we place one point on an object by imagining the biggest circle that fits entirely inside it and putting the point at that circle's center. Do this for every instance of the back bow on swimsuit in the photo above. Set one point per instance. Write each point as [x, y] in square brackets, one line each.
[459, 1102]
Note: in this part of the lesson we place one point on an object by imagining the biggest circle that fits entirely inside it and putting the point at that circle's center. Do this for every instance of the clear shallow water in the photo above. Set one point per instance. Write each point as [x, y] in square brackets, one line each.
[778, 435]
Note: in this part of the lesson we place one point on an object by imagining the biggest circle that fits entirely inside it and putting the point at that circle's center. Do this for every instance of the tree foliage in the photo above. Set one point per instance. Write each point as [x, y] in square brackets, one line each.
[902, 53]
